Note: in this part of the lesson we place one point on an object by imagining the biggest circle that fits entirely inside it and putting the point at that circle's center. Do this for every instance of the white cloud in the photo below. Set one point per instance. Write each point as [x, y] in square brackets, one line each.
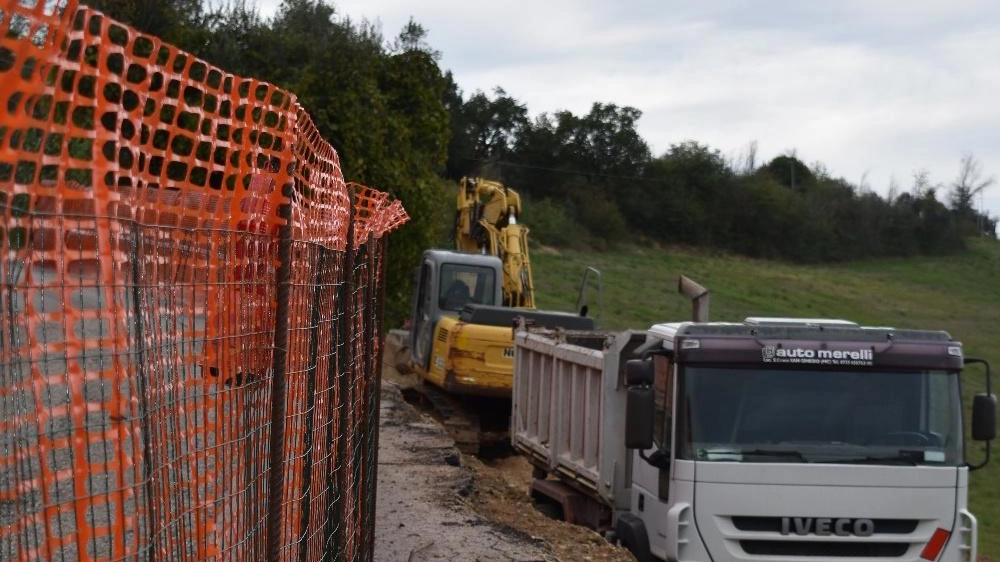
[883, 88]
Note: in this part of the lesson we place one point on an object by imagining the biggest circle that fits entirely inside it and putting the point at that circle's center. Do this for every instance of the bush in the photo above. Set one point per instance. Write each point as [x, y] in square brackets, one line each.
[551, 224]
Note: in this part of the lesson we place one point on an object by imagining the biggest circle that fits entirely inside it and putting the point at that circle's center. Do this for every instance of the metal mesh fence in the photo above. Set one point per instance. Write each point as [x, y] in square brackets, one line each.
[190, 298]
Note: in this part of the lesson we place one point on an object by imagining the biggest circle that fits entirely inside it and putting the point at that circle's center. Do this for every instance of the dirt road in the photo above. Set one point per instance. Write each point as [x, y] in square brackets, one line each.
[434, 504]
[423, 510]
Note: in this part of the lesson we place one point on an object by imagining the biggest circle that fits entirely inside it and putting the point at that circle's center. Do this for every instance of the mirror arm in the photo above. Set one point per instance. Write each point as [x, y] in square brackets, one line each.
[658, 458]
[986, 459]
[989, 392]
[986, 365]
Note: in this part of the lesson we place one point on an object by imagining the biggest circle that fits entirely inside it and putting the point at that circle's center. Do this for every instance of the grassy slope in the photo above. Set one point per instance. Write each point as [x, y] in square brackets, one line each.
[960, 294]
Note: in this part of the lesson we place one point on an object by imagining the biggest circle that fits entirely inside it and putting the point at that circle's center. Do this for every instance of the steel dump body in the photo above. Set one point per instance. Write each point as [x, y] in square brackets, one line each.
[566, 382]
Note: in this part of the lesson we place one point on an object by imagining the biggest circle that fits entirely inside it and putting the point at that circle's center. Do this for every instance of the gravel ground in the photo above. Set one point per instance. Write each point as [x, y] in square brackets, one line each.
[423, 511]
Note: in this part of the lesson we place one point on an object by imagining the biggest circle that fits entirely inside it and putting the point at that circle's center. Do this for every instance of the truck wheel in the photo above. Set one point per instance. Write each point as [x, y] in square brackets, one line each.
[632, 535]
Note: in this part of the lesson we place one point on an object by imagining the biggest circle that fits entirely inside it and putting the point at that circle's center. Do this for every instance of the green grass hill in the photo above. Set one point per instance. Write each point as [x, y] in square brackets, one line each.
[960, 294]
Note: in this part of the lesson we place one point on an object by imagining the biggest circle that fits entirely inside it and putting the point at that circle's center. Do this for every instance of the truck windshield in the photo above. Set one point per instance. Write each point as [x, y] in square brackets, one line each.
[818, 416]
[463, 284]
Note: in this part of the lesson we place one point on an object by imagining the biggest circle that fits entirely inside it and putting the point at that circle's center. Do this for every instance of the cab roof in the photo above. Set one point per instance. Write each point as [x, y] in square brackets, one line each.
[796, 329]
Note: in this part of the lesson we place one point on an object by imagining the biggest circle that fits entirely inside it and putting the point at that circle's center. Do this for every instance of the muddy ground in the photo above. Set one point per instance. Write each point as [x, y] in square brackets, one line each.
[502, 496]
[437, 504]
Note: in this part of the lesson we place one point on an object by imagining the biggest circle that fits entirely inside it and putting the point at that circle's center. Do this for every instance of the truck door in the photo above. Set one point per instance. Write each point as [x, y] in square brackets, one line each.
[424, 315]
[651, 480]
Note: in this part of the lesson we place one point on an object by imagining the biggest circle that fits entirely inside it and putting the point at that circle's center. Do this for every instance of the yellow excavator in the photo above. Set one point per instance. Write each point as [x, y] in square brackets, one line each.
[465, 303]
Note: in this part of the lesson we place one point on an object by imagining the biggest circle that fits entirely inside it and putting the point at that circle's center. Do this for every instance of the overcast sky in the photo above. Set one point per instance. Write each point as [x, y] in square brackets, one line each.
[875, 90]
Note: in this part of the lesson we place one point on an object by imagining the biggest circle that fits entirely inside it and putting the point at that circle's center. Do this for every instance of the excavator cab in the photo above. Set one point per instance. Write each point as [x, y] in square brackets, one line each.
[446, 283]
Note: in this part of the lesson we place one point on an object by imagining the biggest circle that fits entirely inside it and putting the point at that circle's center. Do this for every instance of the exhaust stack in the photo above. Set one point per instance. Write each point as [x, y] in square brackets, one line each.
[698, 295]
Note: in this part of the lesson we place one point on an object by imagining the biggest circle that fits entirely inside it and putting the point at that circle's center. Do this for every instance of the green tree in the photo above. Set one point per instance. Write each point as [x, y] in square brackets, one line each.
[603, 147]
[586, 161]
[483, 130]
[789, 171]
[684, 196]
[970, 183]
[238, 39]
[416, 142]
[178, 22]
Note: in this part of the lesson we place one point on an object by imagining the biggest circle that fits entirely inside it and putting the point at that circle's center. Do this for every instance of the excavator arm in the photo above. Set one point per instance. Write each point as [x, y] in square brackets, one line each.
[486, 221]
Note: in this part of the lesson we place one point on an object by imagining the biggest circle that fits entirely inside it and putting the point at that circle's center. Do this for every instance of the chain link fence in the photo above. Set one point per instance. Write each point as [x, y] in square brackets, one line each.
[190, 304]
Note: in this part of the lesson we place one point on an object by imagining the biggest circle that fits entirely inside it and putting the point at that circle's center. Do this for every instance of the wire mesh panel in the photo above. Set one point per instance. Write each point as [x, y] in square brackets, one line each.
[190, 299]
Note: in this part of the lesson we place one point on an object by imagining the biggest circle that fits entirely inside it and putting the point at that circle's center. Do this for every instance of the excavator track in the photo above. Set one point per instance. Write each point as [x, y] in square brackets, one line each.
[478, 426]
[460, 415]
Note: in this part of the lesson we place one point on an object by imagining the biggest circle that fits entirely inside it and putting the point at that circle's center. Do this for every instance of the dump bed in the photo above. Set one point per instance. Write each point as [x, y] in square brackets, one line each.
[568, 412]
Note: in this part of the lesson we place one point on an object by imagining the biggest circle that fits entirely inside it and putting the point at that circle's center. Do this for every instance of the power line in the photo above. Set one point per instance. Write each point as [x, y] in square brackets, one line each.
[560, 170]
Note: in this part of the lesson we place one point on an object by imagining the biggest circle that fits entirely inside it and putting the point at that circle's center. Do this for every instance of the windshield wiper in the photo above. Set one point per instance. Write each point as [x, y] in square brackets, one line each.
[778, 453]
[903, 457]
[774, 453]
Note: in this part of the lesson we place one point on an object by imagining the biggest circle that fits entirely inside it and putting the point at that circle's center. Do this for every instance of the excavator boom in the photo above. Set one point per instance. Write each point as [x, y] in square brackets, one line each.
[486, 222]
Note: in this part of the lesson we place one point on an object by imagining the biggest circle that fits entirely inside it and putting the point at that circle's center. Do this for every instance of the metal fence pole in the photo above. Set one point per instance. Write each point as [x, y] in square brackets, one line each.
[378, 294]
[142, 380]
[369, 428]
[276, 472]
[333, 371]
[359, 392]
[335, 528]
[310, 404]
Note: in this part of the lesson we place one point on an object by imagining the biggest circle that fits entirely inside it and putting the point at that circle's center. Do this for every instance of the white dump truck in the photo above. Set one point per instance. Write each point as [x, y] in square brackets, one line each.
[767, 439]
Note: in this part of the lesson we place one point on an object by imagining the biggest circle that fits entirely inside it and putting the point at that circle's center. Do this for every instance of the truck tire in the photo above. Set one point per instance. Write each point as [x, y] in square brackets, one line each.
[632, 535]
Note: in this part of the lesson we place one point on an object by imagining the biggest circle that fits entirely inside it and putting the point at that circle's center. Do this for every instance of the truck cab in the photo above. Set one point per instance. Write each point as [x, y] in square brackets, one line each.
[800, 439]
[767, 439]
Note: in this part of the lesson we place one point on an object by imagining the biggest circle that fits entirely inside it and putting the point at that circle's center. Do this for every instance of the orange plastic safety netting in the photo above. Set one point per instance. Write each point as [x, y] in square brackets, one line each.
[190, 298]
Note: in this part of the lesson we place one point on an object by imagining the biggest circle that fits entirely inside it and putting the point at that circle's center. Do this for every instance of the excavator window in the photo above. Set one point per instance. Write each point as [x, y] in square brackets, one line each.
[464, 284]
[456, 297]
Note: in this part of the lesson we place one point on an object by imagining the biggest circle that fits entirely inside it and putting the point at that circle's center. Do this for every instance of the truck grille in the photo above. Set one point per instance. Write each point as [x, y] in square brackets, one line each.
[824, 548]
[762, 536]
[773, 525]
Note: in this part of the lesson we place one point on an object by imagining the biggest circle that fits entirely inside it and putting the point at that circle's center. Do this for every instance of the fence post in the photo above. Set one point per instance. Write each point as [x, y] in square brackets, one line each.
[360, 392]
[377, 278]
[337, 476]
[142, 380]
[367, 480]
[310, 403]
[276, 470]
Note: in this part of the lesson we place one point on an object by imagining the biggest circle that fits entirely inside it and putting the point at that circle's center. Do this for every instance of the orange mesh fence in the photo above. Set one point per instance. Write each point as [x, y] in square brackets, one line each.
[190, 303]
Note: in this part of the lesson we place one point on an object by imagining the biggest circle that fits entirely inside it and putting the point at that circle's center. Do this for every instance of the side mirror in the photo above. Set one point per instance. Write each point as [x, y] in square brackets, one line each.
[984, 417]
[639, 405]
[639, 372]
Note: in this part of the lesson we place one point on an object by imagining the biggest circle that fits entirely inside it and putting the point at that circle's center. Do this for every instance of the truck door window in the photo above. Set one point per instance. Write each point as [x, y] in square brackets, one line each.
[663, 387]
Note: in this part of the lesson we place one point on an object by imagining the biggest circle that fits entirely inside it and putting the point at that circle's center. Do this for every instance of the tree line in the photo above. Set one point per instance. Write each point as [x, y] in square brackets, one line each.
[401, 123]
[596, 182]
